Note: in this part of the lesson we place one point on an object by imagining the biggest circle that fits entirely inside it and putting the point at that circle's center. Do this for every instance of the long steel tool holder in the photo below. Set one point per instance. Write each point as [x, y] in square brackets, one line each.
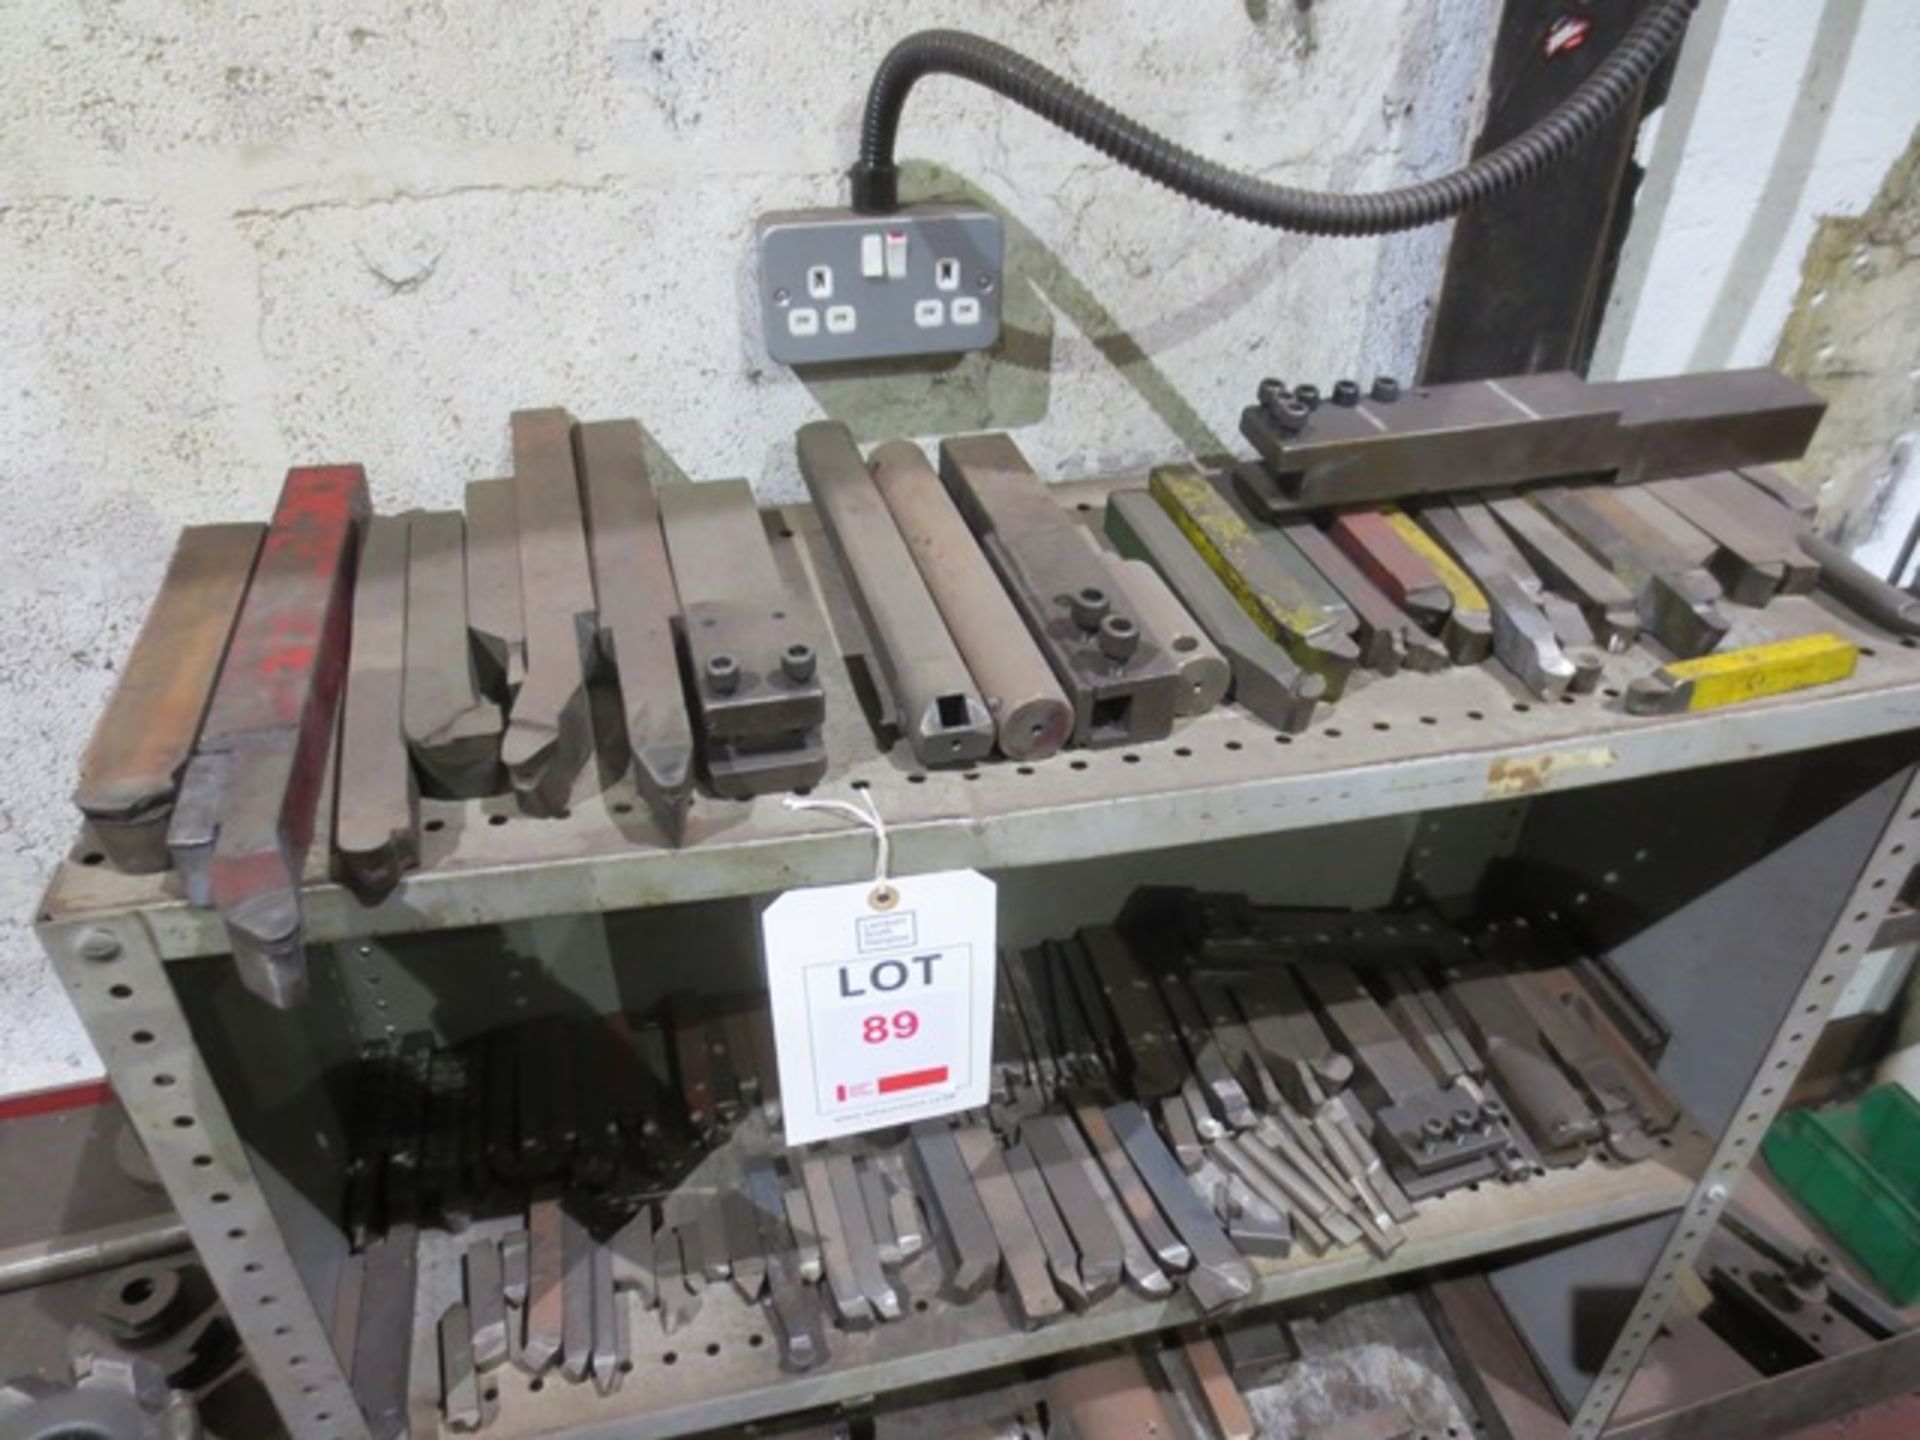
[1392, 444]
[1124, 685]
[550, 736]
[1204, 673]
[941, 712]
[750, 644]
[144, 738]
[1274, 583]
[1032, 718]
[639, 609]
[376, 802]
[1266, 679]
[259, 764]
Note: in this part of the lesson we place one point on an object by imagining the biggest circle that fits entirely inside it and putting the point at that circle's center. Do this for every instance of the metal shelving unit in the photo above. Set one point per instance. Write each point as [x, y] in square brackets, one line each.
[720, 1376]
[241, 1112]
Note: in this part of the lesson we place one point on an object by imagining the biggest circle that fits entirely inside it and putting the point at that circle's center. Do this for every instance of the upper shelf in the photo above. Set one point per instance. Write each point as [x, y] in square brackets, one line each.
[1392, 745]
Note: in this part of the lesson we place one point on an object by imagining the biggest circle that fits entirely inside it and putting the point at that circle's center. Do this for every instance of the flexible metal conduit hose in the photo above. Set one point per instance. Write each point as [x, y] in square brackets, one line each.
[1033, 87]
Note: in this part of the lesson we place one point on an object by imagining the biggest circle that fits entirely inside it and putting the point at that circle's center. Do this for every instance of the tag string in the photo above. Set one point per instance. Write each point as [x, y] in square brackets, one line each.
[867, 814]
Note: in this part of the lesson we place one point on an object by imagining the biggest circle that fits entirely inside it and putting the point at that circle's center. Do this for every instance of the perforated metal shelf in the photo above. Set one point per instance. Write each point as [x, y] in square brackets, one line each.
[723, 1370]
[1390, 746]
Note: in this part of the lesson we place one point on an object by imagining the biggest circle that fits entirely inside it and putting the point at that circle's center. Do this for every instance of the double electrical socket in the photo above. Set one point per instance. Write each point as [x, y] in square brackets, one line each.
[838, 286]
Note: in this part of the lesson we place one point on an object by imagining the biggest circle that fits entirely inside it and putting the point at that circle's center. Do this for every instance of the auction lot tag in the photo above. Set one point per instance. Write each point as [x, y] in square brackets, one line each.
[882, 998]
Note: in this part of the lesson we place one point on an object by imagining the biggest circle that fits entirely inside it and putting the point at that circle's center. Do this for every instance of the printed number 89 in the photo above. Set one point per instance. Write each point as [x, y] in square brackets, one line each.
[878, 1029]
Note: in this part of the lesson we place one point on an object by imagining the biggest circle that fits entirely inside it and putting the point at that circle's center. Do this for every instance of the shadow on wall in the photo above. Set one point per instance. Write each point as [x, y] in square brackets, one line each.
[1008, 386]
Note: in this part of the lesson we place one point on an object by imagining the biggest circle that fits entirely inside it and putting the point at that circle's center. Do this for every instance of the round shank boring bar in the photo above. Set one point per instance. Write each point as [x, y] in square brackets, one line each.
[1032, 718]
[945, 720]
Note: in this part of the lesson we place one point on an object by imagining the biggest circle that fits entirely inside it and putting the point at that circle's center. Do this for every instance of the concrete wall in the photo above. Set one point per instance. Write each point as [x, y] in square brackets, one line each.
[237, 236]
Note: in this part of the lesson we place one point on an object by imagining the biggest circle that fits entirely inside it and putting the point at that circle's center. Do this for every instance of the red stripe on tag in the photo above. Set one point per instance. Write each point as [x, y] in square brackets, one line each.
[913, 1080]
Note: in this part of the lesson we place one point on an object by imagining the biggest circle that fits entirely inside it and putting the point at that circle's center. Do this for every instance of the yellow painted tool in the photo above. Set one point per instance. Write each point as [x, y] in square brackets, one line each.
[1460, 585]
[1468, 631]
[1290, 600]
[1714, 681]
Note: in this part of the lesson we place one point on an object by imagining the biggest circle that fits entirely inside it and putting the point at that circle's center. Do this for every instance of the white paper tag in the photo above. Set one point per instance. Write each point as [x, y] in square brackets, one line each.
[882, 998]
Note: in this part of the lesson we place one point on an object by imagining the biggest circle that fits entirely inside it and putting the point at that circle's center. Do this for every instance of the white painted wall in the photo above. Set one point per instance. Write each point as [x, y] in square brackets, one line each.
[238, 236]
[1781, 112]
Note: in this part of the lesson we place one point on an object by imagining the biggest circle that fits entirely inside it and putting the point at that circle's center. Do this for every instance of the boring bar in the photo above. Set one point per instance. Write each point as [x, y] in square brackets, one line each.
[1860, 590]
[944, 718]
[1032, 718]
[1118, 675]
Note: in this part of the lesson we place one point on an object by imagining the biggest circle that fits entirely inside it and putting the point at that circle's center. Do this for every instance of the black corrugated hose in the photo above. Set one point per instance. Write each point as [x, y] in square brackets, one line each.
[1014, 77]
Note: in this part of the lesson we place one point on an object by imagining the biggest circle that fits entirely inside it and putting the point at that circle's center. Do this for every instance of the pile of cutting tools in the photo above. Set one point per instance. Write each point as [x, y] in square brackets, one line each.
[583, 621]
[1178, 1101]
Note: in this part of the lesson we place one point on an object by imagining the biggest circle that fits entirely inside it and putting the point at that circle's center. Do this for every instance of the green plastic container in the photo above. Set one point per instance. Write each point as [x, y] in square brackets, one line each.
[1857, 1167]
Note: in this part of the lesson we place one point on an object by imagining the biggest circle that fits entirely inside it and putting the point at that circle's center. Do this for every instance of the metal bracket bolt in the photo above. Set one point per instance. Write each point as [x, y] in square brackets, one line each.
[98, 944]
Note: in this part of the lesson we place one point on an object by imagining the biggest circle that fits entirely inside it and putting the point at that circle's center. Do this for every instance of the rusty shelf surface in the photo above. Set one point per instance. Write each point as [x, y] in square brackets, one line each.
[1392, 745]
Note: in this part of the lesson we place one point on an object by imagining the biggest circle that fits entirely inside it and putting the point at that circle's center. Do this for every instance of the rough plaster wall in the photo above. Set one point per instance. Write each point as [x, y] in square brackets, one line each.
[238, 236]
[1786, 119]
[1854, 333]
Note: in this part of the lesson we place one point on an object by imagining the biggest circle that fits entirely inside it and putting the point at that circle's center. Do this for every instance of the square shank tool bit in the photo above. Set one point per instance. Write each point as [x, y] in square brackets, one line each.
[264, 746]
[376, 803]
[549, 738]
[639, 608]
[145, 736]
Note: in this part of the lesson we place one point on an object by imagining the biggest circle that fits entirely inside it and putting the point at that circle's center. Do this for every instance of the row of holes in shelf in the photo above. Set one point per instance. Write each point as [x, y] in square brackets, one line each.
[1785, 1056]
[1187, 752]
[1129, 757]
[176, 1129]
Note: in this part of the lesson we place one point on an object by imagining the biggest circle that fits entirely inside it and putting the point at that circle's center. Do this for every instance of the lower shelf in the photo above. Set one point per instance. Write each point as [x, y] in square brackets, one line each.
[722, 1369]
